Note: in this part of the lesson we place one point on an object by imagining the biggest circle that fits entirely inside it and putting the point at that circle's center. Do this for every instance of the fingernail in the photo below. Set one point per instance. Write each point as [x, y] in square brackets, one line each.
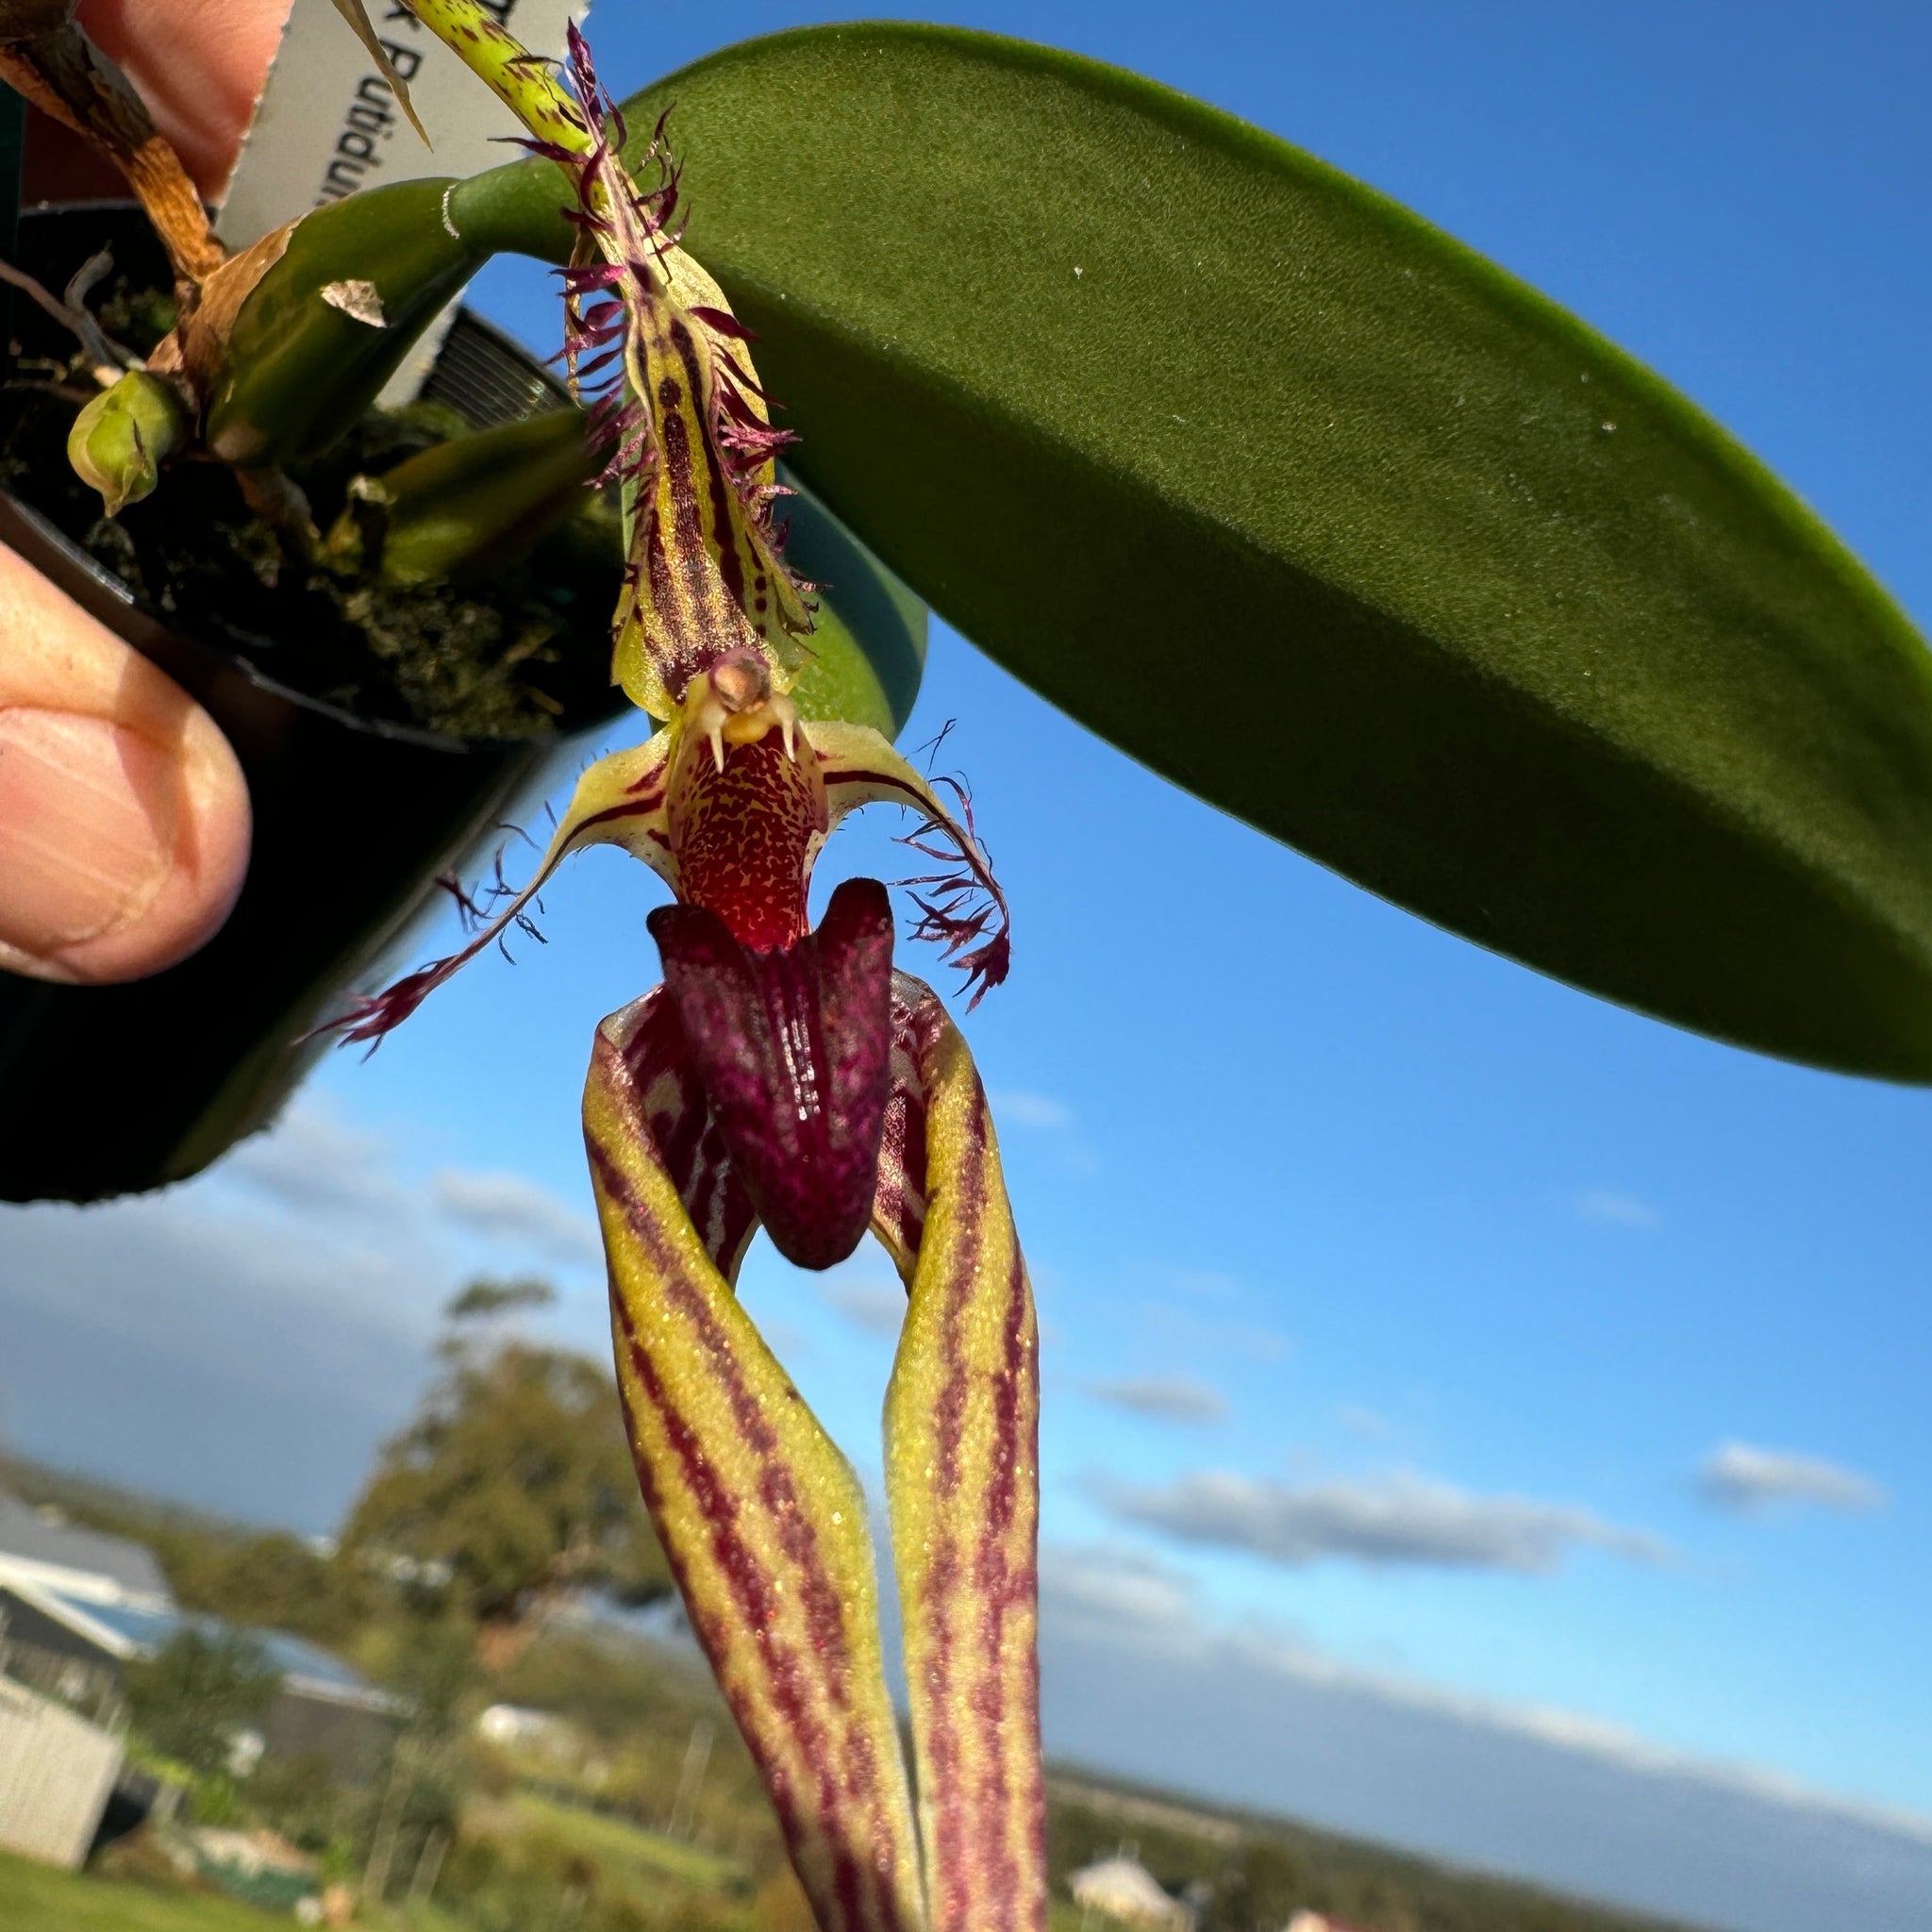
[88, 815]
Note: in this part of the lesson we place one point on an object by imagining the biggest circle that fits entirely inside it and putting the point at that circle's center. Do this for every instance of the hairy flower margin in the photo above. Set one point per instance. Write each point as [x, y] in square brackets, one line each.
[788, 1078]
[730, 806]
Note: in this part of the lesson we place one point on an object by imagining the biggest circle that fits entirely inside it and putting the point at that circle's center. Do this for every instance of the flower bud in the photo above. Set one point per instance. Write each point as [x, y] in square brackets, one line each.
[121, 438]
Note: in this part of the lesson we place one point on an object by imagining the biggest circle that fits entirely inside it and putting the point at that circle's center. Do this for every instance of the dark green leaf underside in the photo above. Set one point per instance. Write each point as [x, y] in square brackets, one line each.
[867, 640]
[1334, 523]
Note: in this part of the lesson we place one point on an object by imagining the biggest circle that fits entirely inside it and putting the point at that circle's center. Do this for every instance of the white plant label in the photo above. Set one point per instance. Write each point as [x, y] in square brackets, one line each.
[327, 124]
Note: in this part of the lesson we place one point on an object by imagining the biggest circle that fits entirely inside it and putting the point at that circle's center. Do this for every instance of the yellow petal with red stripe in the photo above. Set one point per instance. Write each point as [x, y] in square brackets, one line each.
[962, 1427]
[761, 1517]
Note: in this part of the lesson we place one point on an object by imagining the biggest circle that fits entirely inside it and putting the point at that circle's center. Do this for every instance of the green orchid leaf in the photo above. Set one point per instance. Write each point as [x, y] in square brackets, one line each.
[868, 634]
[1332, 523]
[470, 507]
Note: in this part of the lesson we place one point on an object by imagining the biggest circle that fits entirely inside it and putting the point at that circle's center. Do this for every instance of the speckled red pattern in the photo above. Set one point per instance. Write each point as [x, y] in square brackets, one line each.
[745, 837]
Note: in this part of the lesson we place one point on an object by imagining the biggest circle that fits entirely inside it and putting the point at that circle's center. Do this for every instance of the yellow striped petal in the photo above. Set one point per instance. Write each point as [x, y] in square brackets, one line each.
[962, 1427]
[761, 1518]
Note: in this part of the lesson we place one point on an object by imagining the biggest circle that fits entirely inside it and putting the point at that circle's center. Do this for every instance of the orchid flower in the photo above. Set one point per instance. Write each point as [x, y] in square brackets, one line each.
[787, 1076]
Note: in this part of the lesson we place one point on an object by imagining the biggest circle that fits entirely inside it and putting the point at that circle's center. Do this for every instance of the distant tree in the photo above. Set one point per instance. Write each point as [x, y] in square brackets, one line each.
[1259, 1890]
[512, 1483]
[485, 1297]
[274, 1580]
[197, 1691]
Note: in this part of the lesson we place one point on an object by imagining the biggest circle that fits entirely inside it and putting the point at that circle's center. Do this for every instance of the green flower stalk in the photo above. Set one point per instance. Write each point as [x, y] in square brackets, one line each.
[693, 436]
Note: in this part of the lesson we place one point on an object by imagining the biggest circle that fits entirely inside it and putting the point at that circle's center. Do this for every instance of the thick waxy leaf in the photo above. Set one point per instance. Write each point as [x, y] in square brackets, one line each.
[962, 1424]
[763, 1518]
[867, 635]
[1333, 522]
[473, 505]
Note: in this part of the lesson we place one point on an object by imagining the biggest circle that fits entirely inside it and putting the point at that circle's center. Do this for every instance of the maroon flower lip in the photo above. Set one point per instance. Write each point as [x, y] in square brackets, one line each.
[793, 1044]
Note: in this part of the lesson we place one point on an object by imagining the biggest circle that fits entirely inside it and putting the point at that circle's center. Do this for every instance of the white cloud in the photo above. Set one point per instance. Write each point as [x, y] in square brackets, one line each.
[1105, 1588]
[1188, 1328]
[1743, 1477]
[246, 1338]
[1396, 1519]
[1167, 1398]
[1138, 1679]
[1263, 1344]
[335, 1175]
[1118, 1592]
[877, 1307]
[1025, 1109]
[1052, 1121]
[198, 1344]
[510, 1208]
[312, 1161]
[1618, 1210]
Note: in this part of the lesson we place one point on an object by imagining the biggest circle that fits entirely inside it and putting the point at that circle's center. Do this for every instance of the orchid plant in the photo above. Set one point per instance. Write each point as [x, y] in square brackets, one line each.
[1250, 470]
[788, 1078]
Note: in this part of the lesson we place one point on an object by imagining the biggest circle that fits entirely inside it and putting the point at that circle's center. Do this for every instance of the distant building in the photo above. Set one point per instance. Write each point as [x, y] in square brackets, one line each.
[56, 1771]
[1123, 1889]
[76, 1605]
[80, 1652]
[40, 1547]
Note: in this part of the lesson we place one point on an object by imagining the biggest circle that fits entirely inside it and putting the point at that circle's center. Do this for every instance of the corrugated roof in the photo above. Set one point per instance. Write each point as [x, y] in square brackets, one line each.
[145, 1631]
[124, 1564]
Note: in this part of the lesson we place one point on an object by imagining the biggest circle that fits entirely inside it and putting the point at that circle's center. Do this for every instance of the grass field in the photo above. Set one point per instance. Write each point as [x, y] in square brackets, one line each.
[36, 1898]
[622, 1850]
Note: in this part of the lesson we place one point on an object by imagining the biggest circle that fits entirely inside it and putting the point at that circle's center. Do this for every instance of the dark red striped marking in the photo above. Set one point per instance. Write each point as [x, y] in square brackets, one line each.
[788, 1677]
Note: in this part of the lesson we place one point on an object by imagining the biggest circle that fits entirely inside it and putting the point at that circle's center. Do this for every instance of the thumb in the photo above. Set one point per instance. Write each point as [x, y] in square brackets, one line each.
[124, 814]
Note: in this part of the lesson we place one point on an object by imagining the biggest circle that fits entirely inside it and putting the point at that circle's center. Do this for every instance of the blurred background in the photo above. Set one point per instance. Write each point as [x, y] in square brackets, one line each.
[1478, 1421]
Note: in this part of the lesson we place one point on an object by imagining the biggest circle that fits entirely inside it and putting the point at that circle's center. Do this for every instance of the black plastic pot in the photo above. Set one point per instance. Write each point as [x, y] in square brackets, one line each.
[107, 1091]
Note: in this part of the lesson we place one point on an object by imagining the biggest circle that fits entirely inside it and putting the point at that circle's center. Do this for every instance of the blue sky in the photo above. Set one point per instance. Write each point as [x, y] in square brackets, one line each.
[1454, 1333]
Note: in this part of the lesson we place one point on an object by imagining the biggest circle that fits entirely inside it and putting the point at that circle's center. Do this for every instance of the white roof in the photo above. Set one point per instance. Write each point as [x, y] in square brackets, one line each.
[1124, 1888]
[82, 1563]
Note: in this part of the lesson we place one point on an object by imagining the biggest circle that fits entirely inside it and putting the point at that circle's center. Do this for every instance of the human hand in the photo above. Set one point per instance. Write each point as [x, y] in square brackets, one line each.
[124, 815]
